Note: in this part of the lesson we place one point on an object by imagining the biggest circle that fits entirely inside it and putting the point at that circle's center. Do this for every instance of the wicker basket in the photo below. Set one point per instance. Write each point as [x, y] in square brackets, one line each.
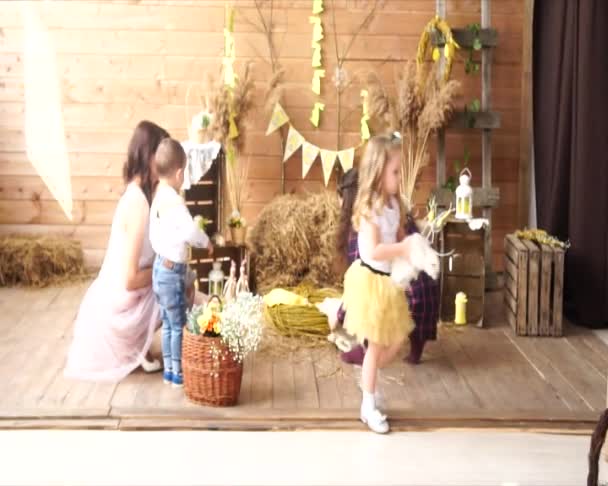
[209, 380]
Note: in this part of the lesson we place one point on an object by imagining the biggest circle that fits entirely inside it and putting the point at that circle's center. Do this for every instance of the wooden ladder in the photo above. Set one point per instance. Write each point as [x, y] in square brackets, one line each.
[486, 196]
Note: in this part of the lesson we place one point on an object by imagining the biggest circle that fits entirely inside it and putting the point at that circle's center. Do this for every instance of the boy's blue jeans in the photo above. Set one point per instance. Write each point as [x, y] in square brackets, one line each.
[169, 285]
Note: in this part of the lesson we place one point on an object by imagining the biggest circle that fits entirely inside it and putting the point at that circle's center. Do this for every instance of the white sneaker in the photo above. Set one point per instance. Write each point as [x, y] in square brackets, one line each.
[375, 420]
[150, 366]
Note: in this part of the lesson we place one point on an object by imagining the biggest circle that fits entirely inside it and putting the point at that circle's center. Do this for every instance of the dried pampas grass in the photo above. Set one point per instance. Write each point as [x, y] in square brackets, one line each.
[240, 100]
[380, 103]
[422, 105]
[293, 241]
[274, 90]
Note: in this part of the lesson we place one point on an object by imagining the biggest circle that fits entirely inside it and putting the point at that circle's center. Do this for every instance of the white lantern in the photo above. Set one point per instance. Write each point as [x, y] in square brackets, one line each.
[464, 196]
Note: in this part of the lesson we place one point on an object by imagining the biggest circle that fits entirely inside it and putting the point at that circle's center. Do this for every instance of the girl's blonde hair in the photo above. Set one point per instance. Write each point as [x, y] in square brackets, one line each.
[370, 196]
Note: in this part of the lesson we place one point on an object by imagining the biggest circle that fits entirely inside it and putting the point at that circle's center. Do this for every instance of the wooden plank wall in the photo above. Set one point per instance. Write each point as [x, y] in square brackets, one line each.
[109, 64]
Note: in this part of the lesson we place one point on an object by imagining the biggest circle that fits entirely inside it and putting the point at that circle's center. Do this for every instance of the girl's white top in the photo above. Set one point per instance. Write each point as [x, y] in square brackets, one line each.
[387, 221]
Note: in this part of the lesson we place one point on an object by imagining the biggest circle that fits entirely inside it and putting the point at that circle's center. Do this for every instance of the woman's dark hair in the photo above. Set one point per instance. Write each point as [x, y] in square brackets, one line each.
[347, 190]
[143, 145]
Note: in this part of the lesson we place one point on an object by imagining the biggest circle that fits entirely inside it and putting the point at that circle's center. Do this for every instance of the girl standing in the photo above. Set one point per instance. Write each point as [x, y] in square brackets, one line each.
[375, 307]
[422, 295]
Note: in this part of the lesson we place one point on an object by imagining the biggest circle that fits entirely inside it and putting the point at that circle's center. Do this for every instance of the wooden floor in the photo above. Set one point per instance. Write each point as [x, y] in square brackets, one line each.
[469, 377]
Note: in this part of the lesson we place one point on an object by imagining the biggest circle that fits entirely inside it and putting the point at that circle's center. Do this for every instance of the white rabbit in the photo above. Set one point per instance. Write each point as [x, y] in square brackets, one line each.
[422, 258]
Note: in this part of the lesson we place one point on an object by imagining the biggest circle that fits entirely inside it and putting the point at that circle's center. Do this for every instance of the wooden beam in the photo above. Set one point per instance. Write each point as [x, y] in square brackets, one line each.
[527, 117]
[482, 119]
[482, 197]
[466, 38]
[486, 135]
[441, 10]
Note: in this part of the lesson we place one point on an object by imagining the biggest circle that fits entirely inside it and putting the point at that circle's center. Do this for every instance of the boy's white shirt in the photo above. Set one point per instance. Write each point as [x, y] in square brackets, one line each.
[172, 228]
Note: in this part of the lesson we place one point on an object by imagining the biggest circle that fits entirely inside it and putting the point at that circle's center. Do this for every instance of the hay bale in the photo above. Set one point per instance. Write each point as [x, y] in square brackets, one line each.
[38, 261]
[293, 241]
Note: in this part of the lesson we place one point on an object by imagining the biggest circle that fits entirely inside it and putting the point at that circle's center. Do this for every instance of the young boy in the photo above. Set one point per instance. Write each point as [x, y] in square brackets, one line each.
[172, 229]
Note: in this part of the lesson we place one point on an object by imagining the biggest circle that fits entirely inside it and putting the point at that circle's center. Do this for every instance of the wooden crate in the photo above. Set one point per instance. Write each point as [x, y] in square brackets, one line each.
[533, 292]
[204, 197]
[202, 263]
[468, 271]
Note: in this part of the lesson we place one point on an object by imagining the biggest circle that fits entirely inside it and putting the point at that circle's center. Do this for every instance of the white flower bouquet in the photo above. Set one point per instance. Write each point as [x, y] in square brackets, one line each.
[242, 323]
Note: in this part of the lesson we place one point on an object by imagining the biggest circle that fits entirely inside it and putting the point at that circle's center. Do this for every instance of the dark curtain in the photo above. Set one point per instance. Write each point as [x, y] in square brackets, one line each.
[570, 93]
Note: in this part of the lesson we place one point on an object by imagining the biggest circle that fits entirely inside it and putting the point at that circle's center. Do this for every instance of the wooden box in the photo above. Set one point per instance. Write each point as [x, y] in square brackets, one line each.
[204, 197]
[467, 272]
[533, 293]
[202, 263]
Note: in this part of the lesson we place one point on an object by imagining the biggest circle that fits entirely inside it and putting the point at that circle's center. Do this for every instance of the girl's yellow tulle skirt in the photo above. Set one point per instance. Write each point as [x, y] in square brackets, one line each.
[376, 309]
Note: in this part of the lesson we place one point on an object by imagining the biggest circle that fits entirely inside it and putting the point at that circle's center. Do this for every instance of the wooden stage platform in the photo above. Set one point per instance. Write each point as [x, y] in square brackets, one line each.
[469, 378]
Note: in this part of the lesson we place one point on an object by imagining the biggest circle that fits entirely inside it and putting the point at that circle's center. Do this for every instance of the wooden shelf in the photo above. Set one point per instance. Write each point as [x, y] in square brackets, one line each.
[488, 120]
[482, 197]
[465, 38]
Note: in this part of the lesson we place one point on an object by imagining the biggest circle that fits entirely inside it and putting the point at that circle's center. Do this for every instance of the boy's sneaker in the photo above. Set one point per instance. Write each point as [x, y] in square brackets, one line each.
[178, 380]
[167, 377]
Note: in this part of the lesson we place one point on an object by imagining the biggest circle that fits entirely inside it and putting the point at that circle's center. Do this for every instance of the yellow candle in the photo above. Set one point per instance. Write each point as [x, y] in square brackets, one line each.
[461, 309]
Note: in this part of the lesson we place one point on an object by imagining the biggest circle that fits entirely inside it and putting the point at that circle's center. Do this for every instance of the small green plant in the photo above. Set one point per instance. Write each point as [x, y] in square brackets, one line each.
[452, 182]
[470, 110]
[471, 65]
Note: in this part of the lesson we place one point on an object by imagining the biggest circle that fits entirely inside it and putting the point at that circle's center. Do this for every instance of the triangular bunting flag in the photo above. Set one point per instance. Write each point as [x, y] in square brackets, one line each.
[328, 158]
[347, 158]
[278, 119]
[309, 154]
[294, 142]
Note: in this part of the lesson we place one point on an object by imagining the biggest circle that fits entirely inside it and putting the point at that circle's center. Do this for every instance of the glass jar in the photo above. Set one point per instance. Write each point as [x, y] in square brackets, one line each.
[216, 279]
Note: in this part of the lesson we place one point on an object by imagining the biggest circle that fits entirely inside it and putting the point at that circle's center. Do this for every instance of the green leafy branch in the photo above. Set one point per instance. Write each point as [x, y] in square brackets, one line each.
[452, 182]
[471, 65]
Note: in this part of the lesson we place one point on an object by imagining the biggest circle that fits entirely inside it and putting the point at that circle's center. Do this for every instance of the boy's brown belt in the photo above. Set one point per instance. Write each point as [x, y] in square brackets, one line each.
[168, 264]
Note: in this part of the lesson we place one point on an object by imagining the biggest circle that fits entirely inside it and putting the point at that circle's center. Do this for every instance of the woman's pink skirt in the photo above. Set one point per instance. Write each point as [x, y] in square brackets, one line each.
[113, 330]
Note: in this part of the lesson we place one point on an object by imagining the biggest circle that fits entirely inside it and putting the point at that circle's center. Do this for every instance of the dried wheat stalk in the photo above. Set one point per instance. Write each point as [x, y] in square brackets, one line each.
[422, 104]
[240, 101]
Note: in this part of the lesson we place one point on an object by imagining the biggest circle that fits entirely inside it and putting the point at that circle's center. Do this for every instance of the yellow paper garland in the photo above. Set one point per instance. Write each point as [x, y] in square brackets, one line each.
[316, 80]
[316, 61]
[316, 113]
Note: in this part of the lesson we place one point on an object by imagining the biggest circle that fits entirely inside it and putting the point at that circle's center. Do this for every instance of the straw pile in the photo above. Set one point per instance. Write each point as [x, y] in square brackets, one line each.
[39, 261]
[295, 327]
[293, 241]
[302, 320]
